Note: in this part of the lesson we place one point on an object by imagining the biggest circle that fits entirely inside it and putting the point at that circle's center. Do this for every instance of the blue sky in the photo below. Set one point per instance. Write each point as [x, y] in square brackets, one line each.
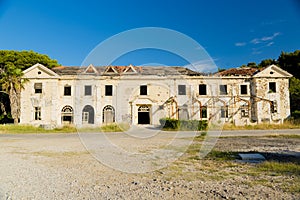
[233, 32]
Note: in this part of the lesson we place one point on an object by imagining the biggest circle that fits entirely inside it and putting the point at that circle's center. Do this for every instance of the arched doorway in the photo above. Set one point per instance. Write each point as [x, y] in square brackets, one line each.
[144, 114]
[88, 115]
[67, 115]
[108, 114]
[183, 112]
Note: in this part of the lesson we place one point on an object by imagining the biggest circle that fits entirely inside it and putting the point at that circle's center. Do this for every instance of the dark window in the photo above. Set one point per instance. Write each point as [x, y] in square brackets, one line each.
[181, 90]
[272, 87]
[143, 90]
[223, 89]
[244, 89]
[38, 87]
[273, 106]
[108, 90]
[67, 90]
[87, 90]
[224, 111]
[37, 113]
[203, 112]
[244, 111]
[202, 89]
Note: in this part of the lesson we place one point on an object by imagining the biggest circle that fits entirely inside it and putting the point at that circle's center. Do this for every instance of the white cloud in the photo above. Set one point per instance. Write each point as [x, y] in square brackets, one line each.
[205, 66]
[240, 44]
[270, 44]
[255, 41]
[264, 39]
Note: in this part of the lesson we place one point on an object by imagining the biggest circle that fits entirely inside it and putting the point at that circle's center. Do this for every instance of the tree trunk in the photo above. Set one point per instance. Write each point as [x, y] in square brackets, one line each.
[14, 104]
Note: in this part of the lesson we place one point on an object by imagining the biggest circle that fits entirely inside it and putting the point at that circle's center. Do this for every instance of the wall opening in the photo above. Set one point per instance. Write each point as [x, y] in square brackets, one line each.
[144, 115]
[67, 115]
[108, 114]
[88, 115]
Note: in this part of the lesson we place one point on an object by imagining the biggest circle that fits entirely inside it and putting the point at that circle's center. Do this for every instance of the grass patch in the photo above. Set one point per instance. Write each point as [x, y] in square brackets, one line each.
[222, 155]
[59, 154]
[23, 129]
[29, 129]
[279, 168]
[263, 126]
[284, 136]
[115, 127]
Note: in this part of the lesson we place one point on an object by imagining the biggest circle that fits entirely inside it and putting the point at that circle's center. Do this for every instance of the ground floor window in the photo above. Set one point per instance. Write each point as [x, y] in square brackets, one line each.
[203, 112]
[37, 113]
[244, 111]
[67, 115]
[108, 114]
[273, 106]
[224, 112]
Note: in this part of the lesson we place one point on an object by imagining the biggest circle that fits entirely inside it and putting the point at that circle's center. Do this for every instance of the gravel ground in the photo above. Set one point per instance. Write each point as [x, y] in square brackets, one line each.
[57, 166]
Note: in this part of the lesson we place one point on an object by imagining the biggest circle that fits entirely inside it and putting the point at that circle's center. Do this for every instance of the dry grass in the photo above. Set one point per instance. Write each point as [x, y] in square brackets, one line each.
[25, 129]
[264, 126]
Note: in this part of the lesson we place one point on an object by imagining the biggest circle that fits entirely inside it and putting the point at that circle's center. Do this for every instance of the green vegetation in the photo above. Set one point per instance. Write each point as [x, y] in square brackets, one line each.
[222, 155]
[183, 125]
[113, 128]
[291, 63]
[12, 64]
[279, 168]
[263, 126]
[24, 129]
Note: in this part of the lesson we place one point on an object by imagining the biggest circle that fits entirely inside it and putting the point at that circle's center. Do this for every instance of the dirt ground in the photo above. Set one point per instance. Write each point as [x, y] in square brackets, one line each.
[58, 166]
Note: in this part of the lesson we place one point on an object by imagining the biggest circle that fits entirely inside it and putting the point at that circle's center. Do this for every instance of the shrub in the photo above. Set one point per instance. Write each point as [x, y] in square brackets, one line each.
[187, 125]
[169, 123]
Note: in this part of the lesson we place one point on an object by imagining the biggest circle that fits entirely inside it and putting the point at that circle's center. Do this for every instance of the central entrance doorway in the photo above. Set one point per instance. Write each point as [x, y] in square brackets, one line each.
[144, 114]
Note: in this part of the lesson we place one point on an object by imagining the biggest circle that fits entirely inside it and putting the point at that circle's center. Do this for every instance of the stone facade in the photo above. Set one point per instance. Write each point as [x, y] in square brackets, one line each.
[143, 95]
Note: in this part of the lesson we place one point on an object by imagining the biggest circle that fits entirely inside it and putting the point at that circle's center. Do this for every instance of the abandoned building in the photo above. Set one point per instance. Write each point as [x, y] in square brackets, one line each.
[143, 95]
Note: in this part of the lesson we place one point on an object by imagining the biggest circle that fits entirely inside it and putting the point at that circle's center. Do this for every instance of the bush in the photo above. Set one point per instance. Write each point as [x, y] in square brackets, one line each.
[187, 125]
[169, 123]
[296, 114]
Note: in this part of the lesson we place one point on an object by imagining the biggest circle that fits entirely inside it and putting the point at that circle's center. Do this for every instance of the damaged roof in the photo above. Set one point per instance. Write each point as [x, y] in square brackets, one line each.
[126, 70]
[244, 71]
[149, 70]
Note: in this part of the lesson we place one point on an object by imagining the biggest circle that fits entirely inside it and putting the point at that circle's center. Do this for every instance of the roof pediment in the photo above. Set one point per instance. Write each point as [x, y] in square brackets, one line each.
[273, 71]
[39, 71]
[90, 70]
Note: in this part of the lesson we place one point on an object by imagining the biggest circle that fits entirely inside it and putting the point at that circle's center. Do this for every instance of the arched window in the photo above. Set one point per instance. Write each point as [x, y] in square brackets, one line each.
[88, 115]
[144, 108]
[108, 114]
[67, 115]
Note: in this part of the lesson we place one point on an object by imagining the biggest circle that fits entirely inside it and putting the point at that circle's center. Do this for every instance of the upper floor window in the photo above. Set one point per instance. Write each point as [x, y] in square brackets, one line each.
[67, 90]
[87, 90]
[38, 88]
[202, 89]
[223, 90]
[181, 90]
[108, 90]
[143, 90]
[272, 87]
[244, 89]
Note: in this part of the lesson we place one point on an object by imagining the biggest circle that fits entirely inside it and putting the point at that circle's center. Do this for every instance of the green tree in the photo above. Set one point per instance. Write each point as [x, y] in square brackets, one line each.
[12, 64]
[290, 62]
[267, 62]
[295, 94]
[252, 65]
